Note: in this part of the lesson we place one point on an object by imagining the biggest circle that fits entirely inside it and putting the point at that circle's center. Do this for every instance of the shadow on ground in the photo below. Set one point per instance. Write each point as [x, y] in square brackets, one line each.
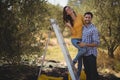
[25, 72]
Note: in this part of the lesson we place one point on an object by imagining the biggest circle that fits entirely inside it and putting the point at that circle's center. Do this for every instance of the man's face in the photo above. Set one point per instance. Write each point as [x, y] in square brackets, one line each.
[87, 19]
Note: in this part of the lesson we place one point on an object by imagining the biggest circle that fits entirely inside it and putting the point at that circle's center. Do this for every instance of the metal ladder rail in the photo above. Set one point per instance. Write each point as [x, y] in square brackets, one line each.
[65, 51]
[44, 53]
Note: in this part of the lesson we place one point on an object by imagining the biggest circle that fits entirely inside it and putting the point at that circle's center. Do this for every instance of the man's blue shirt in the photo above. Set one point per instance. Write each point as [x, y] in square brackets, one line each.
[90, 35]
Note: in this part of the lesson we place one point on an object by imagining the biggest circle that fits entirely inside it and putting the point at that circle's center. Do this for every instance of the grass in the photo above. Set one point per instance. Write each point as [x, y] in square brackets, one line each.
[55, 53]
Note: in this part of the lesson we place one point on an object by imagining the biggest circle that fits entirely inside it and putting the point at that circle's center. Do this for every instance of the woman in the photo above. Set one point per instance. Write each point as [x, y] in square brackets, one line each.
[75, 22]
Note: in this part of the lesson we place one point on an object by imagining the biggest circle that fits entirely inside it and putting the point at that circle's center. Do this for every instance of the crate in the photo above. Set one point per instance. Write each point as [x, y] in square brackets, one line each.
[82, 76]
[45, 77]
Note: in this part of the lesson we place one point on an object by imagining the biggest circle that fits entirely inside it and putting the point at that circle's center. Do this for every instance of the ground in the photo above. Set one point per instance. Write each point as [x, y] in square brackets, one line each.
[53, 66]
[25, 72]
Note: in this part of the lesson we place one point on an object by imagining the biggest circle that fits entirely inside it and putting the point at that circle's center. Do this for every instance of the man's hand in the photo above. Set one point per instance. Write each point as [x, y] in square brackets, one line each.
[82, 44]
[88, 45]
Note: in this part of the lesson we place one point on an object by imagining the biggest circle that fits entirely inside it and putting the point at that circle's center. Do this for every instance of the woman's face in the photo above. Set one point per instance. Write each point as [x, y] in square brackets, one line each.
[68, 10]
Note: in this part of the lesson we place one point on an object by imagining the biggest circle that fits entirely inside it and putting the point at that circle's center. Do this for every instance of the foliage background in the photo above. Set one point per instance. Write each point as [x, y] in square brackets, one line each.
[24, 27]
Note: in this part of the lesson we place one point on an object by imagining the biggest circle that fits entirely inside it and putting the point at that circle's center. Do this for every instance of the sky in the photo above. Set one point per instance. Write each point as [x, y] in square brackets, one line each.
[60, 2]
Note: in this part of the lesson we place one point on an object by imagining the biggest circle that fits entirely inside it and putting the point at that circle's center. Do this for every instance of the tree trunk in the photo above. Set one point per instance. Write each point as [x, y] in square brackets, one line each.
[111, 52]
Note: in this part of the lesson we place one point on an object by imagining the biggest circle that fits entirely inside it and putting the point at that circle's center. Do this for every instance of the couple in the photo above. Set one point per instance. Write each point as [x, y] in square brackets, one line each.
[85, 38]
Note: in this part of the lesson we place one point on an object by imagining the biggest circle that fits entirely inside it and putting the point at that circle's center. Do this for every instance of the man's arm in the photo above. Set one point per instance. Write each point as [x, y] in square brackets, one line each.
[95, 40]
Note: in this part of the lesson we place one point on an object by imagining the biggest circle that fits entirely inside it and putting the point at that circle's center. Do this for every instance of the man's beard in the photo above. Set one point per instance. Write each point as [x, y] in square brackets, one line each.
[87, 22]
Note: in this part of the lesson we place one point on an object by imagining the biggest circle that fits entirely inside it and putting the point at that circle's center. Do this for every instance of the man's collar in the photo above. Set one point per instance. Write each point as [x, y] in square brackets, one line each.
[87, 26]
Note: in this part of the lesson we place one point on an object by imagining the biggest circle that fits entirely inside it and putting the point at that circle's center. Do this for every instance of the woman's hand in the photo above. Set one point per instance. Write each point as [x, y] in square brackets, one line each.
[68, 24]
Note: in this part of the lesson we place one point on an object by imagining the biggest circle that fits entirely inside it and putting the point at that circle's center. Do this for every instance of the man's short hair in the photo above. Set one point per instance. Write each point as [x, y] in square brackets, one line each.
[89, 13]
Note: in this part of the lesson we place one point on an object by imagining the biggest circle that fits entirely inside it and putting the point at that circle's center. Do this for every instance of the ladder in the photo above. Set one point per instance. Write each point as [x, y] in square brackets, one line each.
[72, 69]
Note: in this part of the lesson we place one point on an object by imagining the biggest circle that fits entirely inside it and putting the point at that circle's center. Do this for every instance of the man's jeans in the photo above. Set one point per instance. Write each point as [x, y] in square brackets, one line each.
[81, 51]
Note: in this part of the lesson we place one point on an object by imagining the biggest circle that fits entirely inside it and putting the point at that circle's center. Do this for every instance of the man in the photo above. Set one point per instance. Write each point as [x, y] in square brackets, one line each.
[90, 39]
